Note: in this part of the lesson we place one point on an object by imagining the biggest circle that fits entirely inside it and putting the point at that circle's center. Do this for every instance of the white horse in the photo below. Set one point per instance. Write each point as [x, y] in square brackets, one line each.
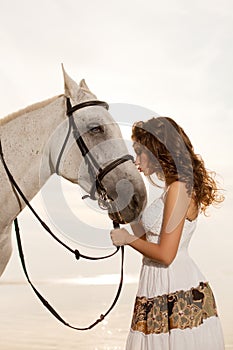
[32, 140]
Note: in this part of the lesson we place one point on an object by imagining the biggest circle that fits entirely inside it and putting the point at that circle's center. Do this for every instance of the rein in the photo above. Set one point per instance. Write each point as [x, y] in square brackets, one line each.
[96, 187]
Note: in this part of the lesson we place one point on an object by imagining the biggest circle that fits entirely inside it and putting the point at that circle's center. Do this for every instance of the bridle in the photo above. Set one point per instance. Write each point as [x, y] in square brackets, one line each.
[94, 169]
[97, 174]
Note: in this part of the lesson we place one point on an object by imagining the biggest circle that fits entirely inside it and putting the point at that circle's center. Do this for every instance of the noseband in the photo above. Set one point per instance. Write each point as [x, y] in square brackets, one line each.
[94, 169]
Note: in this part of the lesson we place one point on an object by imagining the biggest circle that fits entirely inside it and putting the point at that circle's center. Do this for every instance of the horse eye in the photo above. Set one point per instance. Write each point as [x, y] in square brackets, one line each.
[95, 128]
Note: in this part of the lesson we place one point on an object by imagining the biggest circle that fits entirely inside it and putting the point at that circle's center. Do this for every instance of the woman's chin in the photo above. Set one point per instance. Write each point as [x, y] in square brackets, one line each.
[147, 172]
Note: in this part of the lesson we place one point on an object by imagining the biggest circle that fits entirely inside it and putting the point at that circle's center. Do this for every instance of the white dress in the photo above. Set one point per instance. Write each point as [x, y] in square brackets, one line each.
[174, 307]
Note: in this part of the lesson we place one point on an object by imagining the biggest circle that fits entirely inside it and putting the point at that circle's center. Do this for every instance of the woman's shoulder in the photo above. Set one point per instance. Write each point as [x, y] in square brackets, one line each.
[177, 192]
[175, 189]
[175, 185]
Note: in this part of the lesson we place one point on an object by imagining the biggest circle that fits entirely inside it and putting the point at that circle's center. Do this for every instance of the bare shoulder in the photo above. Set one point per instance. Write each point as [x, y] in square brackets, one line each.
[175, 206]
[176, 189]
[177, 185]
[177, 195]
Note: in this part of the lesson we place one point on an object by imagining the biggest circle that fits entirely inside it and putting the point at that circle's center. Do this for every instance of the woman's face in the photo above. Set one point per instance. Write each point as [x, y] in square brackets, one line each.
[142, 160]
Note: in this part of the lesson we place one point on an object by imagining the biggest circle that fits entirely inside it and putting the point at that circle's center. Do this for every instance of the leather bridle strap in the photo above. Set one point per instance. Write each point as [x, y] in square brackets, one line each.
[78, 138]
[72, 109]
[94, 169]
[97, 184]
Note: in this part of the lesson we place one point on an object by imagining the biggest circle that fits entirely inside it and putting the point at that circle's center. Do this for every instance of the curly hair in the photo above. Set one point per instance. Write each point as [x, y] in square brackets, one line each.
[173, 158]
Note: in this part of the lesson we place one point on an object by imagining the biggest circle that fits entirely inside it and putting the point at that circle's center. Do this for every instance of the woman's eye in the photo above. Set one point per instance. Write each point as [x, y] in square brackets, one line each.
[96, 129]
[138, 151]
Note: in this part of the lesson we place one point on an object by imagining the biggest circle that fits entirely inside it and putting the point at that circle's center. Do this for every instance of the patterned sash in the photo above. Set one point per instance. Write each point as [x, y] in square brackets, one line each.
[182, 309]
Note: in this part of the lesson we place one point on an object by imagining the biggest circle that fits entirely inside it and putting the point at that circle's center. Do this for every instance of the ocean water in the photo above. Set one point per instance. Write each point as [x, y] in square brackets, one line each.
[26, 325]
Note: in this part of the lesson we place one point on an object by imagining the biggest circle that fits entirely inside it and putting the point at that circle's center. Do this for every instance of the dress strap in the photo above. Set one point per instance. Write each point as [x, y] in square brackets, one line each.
[163, 195]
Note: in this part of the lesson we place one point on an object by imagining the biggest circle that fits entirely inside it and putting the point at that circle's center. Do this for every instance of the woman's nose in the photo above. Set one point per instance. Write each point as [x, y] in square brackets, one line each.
[137, 160]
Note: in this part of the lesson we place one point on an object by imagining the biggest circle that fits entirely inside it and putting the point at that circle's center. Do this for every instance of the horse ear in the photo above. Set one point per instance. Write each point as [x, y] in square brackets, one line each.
[71, 87]
[83, 85]
[76, 92]
[86, 89]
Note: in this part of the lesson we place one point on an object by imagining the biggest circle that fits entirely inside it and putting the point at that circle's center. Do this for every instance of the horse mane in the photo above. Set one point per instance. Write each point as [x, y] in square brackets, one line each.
[28, 109]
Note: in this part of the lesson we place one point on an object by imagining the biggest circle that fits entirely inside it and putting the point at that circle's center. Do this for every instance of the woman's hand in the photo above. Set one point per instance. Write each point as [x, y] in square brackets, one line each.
[121, 236]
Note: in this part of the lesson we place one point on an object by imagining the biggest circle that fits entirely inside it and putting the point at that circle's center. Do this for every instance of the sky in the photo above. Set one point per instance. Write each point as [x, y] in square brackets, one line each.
[170, 57]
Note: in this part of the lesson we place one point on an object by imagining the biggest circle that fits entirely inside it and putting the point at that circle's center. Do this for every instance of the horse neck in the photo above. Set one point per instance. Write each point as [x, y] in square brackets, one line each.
[24, 140]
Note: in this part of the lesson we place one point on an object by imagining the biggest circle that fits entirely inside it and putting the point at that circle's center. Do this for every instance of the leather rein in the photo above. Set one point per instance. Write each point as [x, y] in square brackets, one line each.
[97, 173]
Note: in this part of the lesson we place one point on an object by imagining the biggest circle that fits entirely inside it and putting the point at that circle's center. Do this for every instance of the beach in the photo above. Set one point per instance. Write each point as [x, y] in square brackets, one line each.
[26, 325]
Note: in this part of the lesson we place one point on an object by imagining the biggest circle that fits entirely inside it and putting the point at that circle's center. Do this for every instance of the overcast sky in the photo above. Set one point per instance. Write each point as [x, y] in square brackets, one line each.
[172, 57]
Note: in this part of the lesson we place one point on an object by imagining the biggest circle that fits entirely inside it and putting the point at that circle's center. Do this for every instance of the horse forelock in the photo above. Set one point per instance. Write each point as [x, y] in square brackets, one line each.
[28, 109]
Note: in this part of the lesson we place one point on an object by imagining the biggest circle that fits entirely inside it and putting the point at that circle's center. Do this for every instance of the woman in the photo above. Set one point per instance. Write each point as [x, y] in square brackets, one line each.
[174, 307]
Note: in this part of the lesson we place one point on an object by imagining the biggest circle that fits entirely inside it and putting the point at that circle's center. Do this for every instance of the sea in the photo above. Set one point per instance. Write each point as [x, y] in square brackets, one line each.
[25, 324]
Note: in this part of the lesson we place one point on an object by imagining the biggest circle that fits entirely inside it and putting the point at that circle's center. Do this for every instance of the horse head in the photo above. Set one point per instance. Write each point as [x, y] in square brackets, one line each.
[104, 144]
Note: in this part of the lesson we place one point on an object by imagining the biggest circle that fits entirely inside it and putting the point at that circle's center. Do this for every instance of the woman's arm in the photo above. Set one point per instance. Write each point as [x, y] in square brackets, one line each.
[175, 209]
[138, 230]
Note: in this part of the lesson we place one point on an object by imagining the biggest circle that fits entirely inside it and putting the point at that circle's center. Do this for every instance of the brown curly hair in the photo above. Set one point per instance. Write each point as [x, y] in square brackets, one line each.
[172, 157]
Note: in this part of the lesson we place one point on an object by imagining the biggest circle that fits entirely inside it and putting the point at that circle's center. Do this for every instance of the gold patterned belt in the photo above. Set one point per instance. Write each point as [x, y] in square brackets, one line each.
[181, 309]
